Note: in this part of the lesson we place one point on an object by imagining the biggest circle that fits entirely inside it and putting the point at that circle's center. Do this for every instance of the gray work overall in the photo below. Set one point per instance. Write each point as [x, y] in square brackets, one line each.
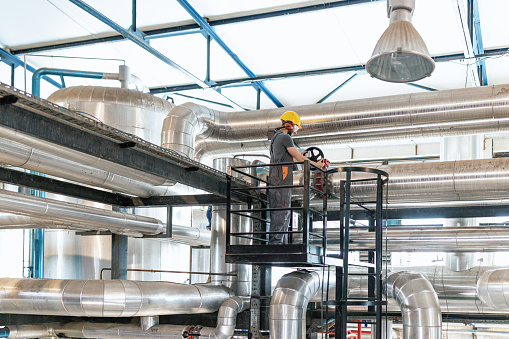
[280, 197]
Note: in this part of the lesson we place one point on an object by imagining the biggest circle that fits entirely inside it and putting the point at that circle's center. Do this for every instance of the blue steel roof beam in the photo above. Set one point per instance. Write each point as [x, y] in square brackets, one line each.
[172, 34]
[206, 27]
[463, 18]
[289, 11]
[476, 37]
[13, 60]
[143, 44]
[247, 81]
[337, 88]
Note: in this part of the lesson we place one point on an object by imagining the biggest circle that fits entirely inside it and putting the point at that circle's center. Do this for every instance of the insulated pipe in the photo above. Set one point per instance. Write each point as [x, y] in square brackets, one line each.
[19, 155]
[107, 298]
[36, 77]
[464, 180]
[493, 288]
[429, 239]
[457, 291]
[31, 206]
[124, 76]
[422, 317]
[196, 130]
[226, 321]
[82, 158]
[193, 236]
[287, 315]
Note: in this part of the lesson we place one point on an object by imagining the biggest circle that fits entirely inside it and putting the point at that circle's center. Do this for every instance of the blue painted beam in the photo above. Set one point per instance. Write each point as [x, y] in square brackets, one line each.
[476, 37]
[13, 60]
[208, 29]
[134, 38]
[337, 88]
[180, 30]
[143, 44]
[421, 87]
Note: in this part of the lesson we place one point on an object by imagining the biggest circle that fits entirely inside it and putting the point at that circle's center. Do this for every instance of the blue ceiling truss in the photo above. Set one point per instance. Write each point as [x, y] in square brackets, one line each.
[14, 62]
[474, 25]
[136, 36]
[211, 33]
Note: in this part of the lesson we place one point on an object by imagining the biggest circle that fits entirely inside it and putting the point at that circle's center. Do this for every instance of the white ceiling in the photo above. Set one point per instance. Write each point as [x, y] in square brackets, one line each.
[329, 38]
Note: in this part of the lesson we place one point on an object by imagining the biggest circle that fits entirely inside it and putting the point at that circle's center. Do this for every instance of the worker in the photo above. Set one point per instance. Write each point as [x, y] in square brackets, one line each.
[283, 150]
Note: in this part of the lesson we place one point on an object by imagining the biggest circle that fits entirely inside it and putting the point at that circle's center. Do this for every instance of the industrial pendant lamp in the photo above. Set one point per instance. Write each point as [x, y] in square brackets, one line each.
[400, 55]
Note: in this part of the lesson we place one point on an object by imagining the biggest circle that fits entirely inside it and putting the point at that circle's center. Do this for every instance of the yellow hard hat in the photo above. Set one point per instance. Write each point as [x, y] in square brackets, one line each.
[291, 116]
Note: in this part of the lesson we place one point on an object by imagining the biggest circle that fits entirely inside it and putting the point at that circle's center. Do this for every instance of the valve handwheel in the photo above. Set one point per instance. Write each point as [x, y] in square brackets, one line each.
[314, 154]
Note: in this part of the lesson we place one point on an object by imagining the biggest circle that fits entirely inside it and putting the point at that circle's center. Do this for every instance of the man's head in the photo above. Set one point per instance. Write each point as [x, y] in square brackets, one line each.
[291, 121]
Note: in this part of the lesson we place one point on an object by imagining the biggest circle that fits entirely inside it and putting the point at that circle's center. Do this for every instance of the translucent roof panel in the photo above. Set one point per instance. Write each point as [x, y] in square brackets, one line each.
[493, 17]
[289, 43]
[363, 86]
[436, 22]
[306, 90]
[497, 70]
[45, 21]
[209, 8]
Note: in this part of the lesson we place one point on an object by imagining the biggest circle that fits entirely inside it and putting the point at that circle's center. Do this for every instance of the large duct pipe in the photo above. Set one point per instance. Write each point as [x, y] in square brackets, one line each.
[82, 158]
[107, 298]
[226, 321]
[493, 288]
[456, 290]
[422, 317]
[430, 239]
[193, 236]
[438, 181]
[287, 315]
[191, 128]
[19, 155]
[31, 206]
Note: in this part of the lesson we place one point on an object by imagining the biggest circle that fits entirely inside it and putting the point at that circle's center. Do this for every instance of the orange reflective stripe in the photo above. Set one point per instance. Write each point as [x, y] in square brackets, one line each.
[285, 172]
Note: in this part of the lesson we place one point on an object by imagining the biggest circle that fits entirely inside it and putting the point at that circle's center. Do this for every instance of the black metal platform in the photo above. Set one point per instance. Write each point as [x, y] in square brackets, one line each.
[288, 255]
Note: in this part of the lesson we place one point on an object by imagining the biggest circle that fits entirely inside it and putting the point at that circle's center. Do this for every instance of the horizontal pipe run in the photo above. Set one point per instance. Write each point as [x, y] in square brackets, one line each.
[82, 158]
[17, 203]
[107, 298]
[427, 239]
[180, 234]
[226, 322]
[19, 155]
[199, 131]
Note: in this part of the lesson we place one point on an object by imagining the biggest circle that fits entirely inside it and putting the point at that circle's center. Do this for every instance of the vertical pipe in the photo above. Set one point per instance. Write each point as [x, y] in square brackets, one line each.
[37, 253]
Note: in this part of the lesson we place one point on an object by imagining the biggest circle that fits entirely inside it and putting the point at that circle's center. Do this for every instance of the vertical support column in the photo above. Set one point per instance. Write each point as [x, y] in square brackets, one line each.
[346, 246]
[258, 98]
[228, 211]
[207, 76]
[13, 68]
[305, 205]
[378, 253]
[255, 310]
[133, 25]
[118, 256]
